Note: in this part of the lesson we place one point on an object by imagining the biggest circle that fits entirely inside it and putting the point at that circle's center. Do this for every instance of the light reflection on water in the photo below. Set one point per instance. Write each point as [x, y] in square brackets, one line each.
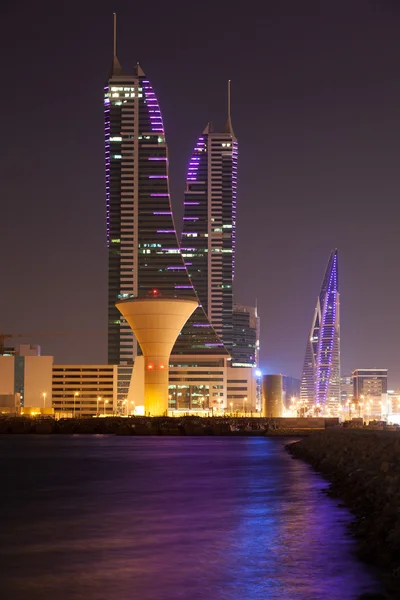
[104, 518]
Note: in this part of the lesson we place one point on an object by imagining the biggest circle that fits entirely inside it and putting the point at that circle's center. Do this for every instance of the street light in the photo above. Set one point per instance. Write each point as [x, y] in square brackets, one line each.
[125, 407]
[44, 399]
[104, 406]
[244, 404]
[98, 400]
[75, 395]
[231, 405]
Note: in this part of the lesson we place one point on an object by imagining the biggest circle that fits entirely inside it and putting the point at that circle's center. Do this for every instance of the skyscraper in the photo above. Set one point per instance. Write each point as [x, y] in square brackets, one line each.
[320, 382]
[143, 252]
[246, 336]
[209, 224]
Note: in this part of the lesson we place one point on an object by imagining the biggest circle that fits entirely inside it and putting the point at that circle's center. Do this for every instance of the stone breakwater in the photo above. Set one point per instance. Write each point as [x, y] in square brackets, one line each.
[364, 470]
[185, 425]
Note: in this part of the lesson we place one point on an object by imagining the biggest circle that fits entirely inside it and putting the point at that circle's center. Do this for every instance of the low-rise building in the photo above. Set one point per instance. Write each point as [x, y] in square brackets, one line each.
[370, 393]
[84, 390]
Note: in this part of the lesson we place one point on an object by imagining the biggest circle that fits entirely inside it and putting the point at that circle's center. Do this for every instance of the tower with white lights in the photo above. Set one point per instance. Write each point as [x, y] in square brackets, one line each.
[209, 224]
[143, 249]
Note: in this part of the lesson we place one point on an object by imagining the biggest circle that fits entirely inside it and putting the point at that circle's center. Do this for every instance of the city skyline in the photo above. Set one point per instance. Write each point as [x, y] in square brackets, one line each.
[329, 141]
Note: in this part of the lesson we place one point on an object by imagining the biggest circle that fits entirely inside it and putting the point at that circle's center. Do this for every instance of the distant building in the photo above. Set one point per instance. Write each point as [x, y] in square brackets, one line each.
[291, 389]
[241, 390]
[245, 337]
[29, 377]
[85, 390]
[272, 396]
[393, 404]
[346, 389]
[370, 390]
[320, 381]
[209, 383]
[21, 350]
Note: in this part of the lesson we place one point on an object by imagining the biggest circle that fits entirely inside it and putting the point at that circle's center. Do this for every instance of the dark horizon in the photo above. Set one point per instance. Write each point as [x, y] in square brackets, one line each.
[315, 97]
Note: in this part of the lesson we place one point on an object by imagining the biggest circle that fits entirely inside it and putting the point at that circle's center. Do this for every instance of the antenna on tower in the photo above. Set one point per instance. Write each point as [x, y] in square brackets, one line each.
[229, 98]
[228, 124]
[115, 35]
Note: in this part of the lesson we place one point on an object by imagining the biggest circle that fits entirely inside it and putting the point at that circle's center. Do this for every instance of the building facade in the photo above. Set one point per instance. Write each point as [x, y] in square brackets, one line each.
[370, 391]
[245, 336]
[272, 396]
[320, 381]
[209, 384]
[85, 390]
[209, 225]
[28, 376]
[346, 389]
[143, 252]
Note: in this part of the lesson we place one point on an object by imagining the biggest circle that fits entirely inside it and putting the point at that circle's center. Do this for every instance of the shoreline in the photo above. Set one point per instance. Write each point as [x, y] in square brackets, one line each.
[156, 426]
[363, 469]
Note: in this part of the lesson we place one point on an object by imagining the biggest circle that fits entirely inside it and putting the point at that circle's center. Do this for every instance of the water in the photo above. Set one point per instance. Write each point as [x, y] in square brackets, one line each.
[158, 518]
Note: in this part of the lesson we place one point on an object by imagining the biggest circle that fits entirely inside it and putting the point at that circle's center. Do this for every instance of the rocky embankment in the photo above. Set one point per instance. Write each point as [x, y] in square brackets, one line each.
[185, 425]
[364, 470]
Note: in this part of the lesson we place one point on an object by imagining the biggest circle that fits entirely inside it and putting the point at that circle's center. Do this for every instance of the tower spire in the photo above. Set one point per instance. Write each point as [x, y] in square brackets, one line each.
[228, 123]
[116, 68]
[229, 99]
[115, 36]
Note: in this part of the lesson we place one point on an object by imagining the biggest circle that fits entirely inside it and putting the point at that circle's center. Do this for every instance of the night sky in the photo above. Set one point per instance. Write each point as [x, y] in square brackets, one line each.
[315, 107]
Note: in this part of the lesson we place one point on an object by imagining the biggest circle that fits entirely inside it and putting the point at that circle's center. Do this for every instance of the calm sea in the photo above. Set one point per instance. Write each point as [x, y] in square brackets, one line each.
[169, 518]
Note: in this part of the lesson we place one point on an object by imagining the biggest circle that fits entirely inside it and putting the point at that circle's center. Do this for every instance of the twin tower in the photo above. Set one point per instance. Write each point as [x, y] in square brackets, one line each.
[190, 281]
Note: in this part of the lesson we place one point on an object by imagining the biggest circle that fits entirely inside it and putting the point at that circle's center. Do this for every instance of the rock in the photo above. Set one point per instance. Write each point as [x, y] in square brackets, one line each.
[364, 469]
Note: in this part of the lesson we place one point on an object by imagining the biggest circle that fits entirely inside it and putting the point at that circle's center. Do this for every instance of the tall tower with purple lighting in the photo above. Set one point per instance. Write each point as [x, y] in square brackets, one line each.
[143, 249]
[320, 382]
[209, 224]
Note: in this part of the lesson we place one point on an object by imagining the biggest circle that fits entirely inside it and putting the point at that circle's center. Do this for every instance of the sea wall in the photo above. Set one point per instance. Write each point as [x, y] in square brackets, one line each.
[182, 425]
[364, 469]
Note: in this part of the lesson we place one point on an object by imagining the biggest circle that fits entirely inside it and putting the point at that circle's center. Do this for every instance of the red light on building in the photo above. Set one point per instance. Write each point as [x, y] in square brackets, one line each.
[161, 367]
[150, 367]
